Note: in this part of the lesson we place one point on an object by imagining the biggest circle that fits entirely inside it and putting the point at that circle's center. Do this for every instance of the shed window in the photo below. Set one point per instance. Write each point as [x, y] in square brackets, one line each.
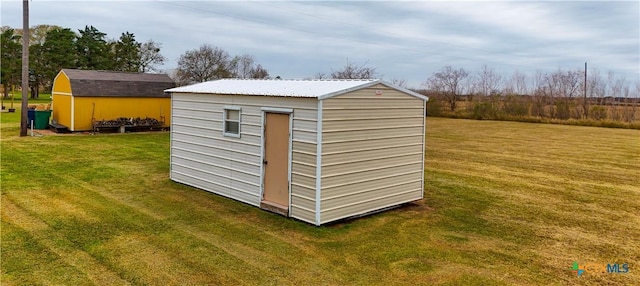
[231, 121]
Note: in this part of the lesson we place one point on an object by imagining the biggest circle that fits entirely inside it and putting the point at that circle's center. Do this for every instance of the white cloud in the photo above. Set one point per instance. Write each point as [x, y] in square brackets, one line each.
[407, 39]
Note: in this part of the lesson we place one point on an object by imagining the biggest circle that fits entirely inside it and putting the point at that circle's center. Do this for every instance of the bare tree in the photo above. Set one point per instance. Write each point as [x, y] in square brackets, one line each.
[449, 83]
[259, 72]
[616, 84]
[634, 103]
[596, 86]
[517, 84]
[38, 33]
[242, 65]
[150, 56]
[560, 88]
[203, 64]
[628, 113]
[570, 83]
[354, 71]
[616, 89]
[487, 81]
[399, 82]
[540, 95]
[320, 75]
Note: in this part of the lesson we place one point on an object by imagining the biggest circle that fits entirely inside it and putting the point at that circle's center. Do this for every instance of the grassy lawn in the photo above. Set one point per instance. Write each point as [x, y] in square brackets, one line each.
[505, 203]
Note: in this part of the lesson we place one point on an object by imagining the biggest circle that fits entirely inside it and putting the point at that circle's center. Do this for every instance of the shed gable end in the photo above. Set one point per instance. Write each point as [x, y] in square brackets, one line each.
[372, 151]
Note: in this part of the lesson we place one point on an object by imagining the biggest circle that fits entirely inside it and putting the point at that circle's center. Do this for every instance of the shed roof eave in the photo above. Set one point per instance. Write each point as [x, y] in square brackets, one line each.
[372, 83]
[364, 85]
[319, 92]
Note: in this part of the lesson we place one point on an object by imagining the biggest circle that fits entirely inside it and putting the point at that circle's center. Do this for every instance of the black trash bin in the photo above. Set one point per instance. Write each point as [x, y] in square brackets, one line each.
[31, 116]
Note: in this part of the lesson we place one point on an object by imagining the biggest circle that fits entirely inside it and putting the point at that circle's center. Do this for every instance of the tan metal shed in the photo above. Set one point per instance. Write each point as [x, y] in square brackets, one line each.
[314, 150]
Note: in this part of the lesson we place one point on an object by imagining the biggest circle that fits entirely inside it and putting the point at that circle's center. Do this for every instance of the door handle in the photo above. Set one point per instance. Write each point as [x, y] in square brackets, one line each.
[264, 162]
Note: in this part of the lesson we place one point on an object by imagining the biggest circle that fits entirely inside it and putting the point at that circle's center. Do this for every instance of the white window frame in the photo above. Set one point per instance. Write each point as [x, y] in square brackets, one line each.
[224, 121]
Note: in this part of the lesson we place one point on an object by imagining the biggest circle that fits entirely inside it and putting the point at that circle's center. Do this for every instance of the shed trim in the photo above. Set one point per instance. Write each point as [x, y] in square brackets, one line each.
[73, 114]
[262, 119]
[424, 152]
[171, 145]
[225, 110]
[277, 110]
[375, 209]
[290, 157]
[370, 84]
[288, 111]
[319, 162]
[270, 87]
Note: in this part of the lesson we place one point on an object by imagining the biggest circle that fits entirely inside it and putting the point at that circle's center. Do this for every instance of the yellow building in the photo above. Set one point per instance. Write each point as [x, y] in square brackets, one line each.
[81, 97]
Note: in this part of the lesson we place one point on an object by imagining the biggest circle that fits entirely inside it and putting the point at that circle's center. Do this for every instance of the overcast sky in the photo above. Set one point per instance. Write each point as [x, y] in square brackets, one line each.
[407, 40]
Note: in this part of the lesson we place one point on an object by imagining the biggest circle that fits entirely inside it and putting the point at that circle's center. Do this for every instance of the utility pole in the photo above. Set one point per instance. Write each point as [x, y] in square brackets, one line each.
[25, 67]
[584, 102]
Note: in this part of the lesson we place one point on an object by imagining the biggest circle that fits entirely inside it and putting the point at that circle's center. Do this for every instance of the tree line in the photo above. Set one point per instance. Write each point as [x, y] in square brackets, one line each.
[209, 63]
[482, 94]
[557, 95]
[52, 48]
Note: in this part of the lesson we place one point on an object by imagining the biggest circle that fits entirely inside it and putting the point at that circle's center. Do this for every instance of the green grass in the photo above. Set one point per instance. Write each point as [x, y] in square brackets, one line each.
[42, 98]
[505, 203]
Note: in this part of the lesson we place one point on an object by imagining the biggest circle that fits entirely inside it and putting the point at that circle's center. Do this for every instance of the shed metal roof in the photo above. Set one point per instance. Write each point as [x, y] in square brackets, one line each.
[117, 84]
[288, 88]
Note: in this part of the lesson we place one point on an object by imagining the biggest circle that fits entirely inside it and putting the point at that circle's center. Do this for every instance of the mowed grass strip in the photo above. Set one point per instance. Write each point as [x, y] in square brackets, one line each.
[505, 203]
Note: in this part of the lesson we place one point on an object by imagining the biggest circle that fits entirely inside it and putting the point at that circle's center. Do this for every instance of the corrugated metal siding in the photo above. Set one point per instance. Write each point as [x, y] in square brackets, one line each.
[372, 151]
[303, 180]
[202, 157]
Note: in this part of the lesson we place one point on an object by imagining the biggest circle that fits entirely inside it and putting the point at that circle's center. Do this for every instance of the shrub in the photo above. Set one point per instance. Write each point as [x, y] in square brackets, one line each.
[563, 110]
[434, 107]
[598, 112]
[484, 110]
[538, 109]
[515, 106]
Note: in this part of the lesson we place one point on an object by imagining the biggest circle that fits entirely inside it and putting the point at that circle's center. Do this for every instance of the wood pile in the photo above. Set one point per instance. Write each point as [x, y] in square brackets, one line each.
[128, 122]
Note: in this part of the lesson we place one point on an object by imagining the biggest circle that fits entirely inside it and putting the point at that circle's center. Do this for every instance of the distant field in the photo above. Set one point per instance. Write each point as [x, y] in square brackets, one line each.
[505, 203]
